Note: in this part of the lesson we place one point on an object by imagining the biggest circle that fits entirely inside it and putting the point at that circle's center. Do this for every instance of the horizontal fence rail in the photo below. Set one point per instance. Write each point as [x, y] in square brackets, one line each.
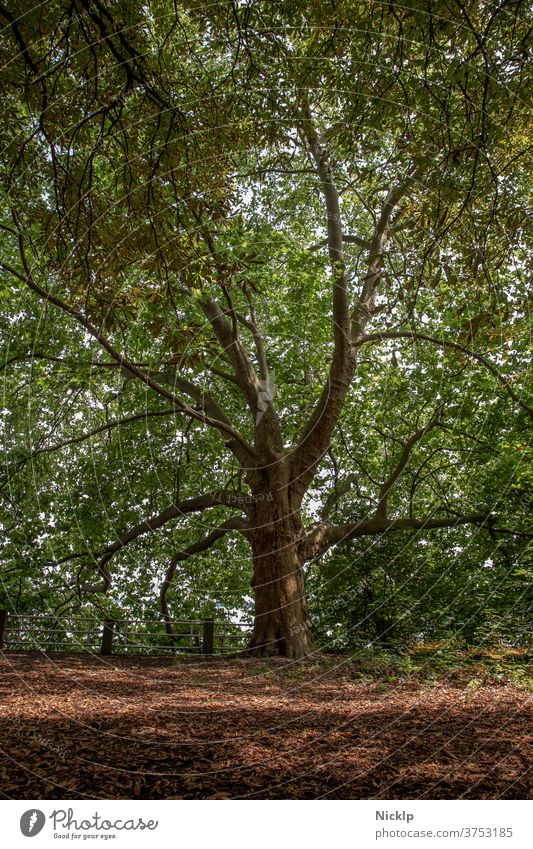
[46, 632]
[62, 633]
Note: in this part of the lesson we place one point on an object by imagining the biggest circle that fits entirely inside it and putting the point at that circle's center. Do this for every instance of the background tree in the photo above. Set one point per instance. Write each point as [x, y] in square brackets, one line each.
[264, 277]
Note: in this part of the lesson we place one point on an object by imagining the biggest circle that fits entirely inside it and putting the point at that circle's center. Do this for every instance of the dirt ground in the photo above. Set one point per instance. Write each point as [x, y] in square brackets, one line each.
[79, 726]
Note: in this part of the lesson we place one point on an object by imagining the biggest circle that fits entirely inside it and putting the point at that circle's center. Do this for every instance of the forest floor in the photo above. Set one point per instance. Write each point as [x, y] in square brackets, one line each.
[82, 726]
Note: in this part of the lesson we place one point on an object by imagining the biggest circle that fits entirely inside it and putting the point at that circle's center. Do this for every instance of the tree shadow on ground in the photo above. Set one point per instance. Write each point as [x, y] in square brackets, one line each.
[129, 728]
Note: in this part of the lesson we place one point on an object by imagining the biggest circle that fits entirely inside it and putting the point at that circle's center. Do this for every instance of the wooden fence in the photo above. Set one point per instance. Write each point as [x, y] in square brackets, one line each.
[49, 633]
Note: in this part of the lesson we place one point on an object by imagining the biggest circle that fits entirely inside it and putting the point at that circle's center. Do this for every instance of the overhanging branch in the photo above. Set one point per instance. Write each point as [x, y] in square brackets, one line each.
[323, 536]
[191, 505]
[125, 363]
[109, 426]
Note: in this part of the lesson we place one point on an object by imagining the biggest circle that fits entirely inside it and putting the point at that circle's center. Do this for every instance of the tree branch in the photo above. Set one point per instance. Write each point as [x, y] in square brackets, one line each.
[191, 505]
[244, 371]
[126, 364]
[346, 238]
[203, 398]
[258, 394]
[227, 333]
[381, 509]
[258, 339]
[366, 301]
[445, 343]
[313, 442]
[75, 440]
[323, 536]
[235, 523]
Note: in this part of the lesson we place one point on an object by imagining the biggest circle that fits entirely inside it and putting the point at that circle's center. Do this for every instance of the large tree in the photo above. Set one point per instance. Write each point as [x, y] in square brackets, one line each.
[286, 239]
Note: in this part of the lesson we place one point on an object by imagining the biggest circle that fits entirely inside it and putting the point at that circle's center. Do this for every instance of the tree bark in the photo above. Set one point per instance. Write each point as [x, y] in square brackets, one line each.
[281, 625]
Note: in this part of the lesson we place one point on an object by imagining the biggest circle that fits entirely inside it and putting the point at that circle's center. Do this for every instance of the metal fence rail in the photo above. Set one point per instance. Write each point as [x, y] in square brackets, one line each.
[49, 633]
[46, 632]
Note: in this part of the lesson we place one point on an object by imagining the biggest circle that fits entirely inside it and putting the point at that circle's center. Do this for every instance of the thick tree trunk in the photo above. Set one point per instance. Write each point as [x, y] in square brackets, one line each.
[281, 625]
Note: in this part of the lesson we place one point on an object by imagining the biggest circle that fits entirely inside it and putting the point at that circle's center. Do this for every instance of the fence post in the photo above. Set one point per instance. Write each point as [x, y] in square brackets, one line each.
[209, 636]
[107, 637]
[3, 623]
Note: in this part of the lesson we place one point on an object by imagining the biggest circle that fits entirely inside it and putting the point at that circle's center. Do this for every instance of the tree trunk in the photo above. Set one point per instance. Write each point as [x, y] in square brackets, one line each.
[281, 625]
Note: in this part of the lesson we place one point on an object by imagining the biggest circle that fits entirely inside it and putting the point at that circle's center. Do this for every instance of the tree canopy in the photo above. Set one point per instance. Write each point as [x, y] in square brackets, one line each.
[265, 310]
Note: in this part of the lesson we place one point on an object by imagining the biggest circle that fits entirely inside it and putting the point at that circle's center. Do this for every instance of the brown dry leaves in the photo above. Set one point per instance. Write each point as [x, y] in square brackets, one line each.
[121, 728]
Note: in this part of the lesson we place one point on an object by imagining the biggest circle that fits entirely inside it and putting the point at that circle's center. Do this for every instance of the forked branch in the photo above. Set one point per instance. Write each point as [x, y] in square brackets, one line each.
[389, 483]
